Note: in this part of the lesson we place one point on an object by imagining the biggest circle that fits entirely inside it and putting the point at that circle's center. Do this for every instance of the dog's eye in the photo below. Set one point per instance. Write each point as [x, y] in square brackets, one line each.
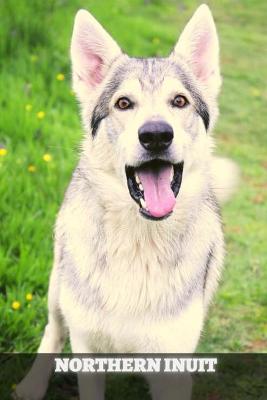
[180, 101]
[124, 103]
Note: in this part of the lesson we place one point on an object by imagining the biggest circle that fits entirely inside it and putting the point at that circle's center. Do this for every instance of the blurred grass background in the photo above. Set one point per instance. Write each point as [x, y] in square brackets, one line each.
[39, 141]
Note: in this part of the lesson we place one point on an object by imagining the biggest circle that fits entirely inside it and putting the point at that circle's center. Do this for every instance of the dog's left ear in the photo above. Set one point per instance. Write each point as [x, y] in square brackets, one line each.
[92, 52]
[199, 47]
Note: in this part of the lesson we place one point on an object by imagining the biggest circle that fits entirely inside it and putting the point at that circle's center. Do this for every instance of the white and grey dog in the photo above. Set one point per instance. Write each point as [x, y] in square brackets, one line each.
[138, 240]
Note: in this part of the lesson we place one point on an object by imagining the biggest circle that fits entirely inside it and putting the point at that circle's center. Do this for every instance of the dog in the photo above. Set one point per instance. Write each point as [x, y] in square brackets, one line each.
[139, 245]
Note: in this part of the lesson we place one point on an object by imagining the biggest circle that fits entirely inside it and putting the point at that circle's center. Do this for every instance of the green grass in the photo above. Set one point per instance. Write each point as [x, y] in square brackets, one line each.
[34, 48]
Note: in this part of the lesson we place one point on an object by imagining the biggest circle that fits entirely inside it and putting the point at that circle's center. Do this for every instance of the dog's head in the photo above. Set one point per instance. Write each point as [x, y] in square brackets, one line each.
[153, 114]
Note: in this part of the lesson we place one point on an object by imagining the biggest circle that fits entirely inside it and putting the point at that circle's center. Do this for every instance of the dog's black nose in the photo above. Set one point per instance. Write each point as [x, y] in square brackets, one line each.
[155, 135]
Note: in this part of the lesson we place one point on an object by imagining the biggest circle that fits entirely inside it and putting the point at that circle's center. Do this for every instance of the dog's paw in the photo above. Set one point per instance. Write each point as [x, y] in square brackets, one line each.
[29, 390]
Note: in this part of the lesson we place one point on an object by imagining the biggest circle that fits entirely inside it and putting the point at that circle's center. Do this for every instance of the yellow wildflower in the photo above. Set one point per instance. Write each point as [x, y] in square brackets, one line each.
[13, 386]
[28, 107]
[34, 58]
[16, 305]
[29, 296]
[155, 40]
[32, 168]
[60, 77]
[3, 152]
[47, 157]
[40, 114]
[255, 92]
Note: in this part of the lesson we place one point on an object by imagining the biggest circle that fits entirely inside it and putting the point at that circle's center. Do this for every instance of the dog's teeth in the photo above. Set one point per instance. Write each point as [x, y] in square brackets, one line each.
[137, 178]
[171, 174]
[141, 187]
[143, 203]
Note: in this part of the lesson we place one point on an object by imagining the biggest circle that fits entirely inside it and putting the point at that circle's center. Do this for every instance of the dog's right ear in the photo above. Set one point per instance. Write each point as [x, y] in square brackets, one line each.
[92, 52]
[199, 46]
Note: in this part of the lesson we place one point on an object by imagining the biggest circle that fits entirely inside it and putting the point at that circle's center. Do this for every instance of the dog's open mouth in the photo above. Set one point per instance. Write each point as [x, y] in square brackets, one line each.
[154, 186]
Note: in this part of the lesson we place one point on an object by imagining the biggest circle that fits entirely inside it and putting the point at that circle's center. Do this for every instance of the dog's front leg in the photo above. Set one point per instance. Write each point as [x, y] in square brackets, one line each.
[170, 386]
[91, 386]
[35, 383]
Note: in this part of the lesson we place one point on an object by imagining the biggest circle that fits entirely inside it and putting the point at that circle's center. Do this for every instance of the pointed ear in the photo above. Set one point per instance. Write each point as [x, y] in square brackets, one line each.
[199, 47]
[92, 52]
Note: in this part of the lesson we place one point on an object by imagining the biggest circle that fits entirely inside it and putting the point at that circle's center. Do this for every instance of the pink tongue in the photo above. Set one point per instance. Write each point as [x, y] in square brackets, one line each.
[158, 194]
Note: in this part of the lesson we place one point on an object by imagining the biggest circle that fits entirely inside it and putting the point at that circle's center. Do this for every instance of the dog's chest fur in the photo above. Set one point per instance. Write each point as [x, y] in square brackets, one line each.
[113, 262]
[146, 263]
[138, 285]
